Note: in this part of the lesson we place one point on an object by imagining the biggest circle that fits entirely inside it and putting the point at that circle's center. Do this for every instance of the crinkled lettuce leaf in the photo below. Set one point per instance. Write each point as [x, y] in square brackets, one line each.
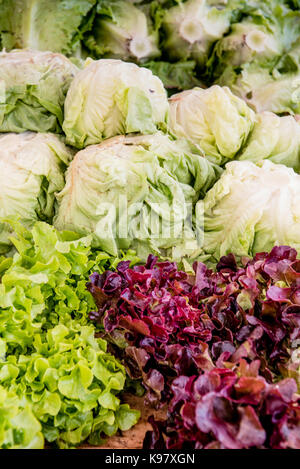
[265, 91]
[124, 31]
[175, 76]
[110, 97]
[214, 119]
[190, 29]
[259, 58]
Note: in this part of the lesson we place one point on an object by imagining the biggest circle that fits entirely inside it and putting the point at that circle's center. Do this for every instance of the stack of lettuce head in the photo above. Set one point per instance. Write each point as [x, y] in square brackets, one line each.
[44, 25]
[33, 87]
[31, 171]
[252, 208]
[111, 97]
[137, 192]
[214, 119]
[123, 30]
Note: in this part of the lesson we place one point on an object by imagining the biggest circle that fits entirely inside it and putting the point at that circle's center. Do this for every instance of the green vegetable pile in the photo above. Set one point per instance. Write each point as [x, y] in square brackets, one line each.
[59, 382]
[129, 129]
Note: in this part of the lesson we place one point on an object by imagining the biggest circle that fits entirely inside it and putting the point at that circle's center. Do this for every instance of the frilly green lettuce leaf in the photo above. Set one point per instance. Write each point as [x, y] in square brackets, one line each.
[19, 428]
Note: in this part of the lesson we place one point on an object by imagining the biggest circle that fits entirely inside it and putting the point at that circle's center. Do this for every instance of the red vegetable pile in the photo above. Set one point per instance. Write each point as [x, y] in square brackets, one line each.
[213, 346]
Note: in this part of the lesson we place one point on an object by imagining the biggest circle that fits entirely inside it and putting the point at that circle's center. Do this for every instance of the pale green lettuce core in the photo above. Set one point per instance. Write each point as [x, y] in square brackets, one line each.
[214, 119]
[136, 192]
[252, 208]
[33, 86]
[274, 138]
[31, 171]
[49, 352]
[111, 97]
[192, 27]
[43, 24]
[123, 30]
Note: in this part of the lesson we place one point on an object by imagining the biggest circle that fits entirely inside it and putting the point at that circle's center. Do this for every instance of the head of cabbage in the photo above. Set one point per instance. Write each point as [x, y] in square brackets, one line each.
[31, 171]
[136, 192]
[251, 208]
[33, 86]
[214, 119]
[111, 97]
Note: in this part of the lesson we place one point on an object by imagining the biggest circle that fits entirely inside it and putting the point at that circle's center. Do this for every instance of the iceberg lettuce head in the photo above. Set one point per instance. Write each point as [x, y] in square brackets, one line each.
[214, 119]
[110, 97]
[252, 208]
[136, 192]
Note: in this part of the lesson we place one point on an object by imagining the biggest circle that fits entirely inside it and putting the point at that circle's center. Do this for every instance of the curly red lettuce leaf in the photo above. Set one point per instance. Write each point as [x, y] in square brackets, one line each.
[165, 324]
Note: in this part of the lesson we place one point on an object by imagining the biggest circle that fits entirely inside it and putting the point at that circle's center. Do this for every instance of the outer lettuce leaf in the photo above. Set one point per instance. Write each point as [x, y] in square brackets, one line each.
[71, 383]
[214, 119]
[111, 97]
[19, 428]
[136, 192]
[31, 172]
[33, 86]
[274, 138]
[250, 209]
[45, 25]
